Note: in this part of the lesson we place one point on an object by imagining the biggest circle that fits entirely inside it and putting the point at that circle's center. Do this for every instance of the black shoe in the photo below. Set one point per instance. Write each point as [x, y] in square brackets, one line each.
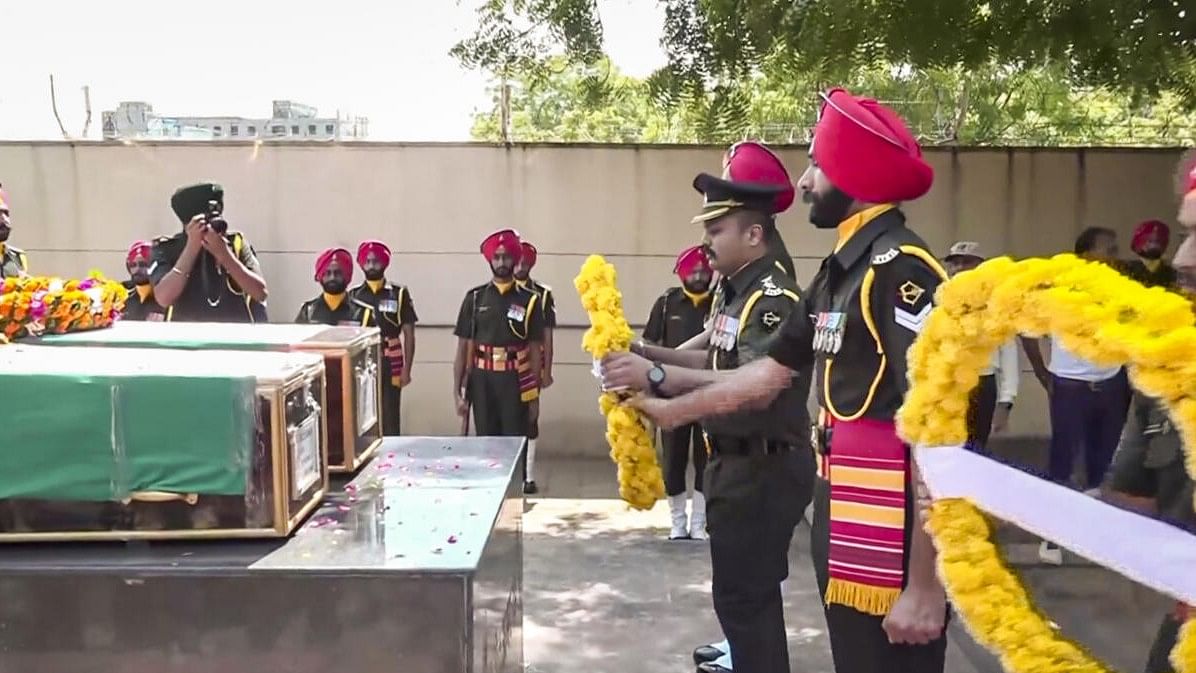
[529, 488]
[706, 654]
[711, 667]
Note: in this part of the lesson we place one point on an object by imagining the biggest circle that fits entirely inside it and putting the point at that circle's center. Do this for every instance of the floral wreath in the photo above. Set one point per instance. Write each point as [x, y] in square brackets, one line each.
[1099, 315]
[627, 432]
[36, 305]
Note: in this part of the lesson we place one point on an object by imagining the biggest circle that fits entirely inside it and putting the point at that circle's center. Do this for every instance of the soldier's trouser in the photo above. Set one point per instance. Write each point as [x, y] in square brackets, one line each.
[498, 410]
[1164, 641]
[982, 403]
[392, 398]
[678, 445]
[753, 504]
[858, 641]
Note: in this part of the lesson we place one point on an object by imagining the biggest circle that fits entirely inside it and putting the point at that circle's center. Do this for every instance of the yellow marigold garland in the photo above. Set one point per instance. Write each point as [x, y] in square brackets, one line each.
[1101, 316]
[640, 481]
[35, 305]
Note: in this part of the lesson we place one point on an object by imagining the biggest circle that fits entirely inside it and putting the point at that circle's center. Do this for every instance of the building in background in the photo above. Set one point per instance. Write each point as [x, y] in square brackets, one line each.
[137, 120]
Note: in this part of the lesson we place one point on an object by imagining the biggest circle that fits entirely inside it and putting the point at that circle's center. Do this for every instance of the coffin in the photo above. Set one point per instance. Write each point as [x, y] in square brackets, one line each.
[131, 443]
[351, 357]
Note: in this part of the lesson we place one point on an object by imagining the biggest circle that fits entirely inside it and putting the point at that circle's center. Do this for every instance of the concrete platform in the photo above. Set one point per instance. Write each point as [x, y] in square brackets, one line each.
[604, 592]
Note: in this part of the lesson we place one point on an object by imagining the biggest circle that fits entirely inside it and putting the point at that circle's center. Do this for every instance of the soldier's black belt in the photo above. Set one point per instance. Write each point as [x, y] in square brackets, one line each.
[746, 446]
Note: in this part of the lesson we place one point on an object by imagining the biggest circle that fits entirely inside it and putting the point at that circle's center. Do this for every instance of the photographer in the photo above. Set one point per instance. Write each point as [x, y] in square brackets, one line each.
[207, 272]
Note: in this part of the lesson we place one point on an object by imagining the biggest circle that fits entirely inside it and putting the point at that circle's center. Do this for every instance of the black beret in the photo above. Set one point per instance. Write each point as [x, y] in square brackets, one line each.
[188, 202]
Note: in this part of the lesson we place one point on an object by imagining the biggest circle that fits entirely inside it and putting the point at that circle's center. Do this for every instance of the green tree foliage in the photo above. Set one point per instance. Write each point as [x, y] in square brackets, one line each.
[987, 106]
[1142, 49]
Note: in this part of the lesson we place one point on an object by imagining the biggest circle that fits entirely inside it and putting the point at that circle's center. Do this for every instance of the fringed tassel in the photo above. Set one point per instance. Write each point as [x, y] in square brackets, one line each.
[869, 600]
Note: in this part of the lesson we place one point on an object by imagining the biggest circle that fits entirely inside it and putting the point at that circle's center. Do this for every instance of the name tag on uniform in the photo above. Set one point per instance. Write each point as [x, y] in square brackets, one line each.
[516, 312]
[388, 306]
[155, 317]
[828, 331]
[726, 332]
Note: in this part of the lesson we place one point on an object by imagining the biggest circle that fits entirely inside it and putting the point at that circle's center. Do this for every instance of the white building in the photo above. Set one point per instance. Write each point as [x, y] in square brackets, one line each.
[134, 120]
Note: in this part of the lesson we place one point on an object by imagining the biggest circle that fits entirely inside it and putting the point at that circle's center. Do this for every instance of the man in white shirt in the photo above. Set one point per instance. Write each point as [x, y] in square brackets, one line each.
[992, 398]
[1088, 402]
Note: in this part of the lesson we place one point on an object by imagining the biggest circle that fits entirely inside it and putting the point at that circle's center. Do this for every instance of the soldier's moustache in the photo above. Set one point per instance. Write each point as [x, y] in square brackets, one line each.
[828, 209]
[334, 285]
[697, 287]
[374, 273]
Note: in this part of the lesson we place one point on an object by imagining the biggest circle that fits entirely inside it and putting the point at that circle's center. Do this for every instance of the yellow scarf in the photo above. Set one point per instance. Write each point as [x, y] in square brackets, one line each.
[334, 300]
[848, 227]
[697, 299]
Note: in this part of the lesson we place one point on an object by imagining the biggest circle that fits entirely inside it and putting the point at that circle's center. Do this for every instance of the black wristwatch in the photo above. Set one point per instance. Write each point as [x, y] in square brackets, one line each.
[656, 379]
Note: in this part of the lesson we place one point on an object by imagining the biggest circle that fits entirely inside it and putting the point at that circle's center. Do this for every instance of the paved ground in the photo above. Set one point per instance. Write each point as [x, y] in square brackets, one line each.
[606, 593]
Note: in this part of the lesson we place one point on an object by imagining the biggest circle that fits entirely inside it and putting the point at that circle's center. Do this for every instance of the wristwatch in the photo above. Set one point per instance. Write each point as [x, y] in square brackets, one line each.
[656, 379]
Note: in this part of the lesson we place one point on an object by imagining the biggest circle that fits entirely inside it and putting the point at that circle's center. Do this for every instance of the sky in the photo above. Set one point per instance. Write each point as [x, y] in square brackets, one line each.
[371, 58]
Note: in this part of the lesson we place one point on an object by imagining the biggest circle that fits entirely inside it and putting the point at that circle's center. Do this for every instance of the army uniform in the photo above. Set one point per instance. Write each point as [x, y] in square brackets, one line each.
[13, 262]
[141, 305]
[334, 306]
[210, 294]
[860, 315]
[1151, 272]
[753, 163]
[547, 303]
[501, 322]
[761, 470]
[389, 308]
[326, 310]
[1149, 463]
[677, 316]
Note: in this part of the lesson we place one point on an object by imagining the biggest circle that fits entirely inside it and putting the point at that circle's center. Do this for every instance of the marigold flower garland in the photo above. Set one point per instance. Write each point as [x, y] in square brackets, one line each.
[35, 305]
[640, 481]
[1099, 315]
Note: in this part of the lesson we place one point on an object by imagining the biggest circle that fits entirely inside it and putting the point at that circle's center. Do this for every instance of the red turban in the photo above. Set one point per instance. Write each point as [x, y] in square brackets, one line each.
[139, 250]
[689, 260]
[1144, 231]
[378, 248]
[528, 254]
[753, 162]
[507, 239]
[866, 151]
[338, 255]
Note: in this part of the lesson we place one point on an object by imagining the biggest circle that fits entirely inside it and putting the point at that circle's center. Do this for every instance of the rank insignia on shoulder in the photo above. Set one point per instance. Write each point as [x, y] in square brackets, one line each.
[770, 320]
[886, 257]
[770, 288]
[910, 292]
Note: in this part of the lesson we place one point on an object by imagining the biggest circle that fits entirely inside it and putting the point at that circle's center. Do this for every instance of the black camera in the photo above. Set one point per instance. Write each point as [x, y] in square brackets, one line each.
[217, 223]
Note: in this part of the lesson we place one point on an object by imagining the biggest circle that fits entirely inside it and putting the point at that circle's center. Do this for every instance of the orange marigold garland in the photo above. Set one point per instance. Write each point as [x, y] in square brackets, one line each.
[1098, 314]
[640, 481]
[36, 305]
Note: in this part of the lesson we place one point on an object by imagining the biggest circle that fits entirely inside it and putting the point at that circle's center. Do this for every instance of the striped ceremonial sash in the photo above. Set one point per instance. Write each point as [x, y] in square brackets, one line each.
[867, 468]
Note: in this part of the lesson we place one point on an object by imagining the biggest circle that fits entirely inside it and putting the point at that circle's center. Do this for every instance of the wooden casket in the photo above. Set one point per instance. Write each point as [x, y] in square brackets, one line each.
[128, 443]
[352, 357]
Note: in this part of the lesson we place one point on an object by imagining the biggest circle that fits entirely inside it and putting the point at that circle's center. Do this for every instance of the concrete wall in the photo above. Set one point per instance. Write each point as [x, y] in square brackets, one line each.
[77, 206]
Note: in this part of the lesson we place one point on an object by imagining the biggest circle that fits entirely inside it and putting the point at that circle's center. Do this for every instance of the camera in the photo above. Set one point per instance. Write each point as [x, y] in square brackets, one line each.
[217, 223]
